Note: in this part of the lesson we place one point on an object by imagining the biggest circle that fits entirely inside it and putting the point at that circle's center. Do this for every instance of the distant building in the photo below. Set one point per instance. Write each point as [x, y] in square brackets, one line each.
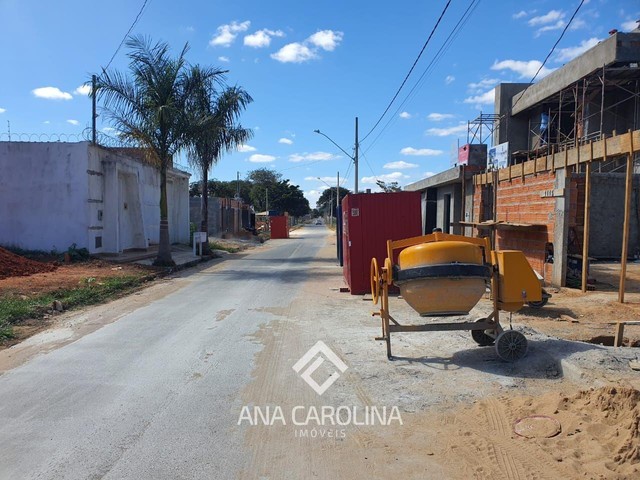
[53, 195]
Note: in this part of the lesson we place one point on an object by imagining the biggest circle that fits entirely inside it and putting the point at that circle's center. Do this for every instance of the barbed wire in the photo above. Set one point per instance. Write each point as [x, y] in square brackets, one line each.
[41, 137]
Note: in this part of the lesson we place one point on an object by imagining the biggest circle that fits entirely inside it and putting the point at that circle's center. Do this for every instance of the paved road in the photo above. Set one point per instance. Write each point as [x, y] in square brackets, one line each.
[155, 394]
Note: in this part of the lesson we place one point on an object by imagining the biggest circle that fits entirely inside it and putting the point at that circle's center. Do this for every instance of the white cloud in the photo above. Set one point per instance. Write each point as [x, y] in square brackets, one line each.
[520, 14]
[294, 53]
[51, 93]
[569, 53]
[246, 148]
[399, 165]
[445, 132]
[108, 129]
[482, 85]
[46, 122]
[297, 157]
[259, 158]
[386, 177]
[73, 122]
[262, 38]
[486, 98]
[313, 196]
[226, 34]
[449, 79]
[326, 39]
[420, 152]
[83, 90]
[286, 141]
[522, 68]
[428, 174]
[577, 24]
[224, 59]
[550, 17]
[405, 115]
[549, 28]
[438, 117]
[2, 110]
[629, 25]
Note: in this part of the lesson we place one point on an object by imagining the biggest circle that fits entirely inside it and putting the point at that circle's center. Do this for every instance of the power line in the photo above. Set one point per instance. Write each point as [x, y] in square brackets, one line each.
[566, 27]
[410, 70]
[437, 57]
[135, 21]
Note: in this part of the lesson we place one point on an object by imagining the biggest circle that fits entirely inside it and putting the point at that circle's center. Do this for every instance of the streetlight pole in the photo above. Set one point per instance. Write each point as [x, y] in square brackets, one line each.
[331, 196]
[354, 158]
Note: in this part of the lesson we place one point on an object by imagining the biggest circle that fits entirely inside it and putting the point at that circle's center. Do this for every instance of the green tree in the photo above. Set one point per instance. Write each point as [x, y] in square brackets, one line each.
[329, 197]
[148, 108]
[214, 128]
[264, 182]
[389, 187]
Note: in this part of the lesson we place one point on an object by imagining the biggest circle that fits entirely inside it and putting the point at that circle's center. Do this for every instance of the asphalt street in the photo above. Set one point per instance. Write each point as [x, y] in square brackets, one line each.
[155, 394]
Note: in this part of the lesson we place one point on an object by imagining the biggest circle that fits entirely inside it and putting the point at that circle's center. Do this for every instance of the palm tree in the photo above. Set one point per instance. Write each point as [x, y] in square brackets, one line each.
[214, 129]
[148, 109]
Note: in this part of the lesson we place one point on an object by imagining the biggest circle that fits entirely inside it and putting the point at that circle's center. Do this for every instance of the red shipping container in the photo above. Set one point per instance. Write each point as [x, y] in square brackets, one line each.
[279, 226]
[369, 220]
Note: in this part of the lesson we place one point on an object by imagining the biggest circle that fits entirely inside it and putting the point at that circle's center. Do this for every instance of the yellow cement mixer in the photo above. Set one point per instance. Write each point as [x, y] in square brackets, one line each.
[446, 275]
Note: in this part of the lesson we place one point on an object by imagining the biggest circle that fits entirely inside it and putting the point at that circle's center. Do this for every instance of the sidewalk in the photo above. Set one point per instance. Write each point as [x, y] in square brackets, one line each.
[181, 254]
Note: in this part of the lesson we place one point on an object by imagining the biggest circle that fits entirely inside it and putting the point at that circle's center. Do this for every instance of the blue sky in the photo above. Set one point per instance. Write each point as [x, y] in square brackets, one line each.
[308, 65]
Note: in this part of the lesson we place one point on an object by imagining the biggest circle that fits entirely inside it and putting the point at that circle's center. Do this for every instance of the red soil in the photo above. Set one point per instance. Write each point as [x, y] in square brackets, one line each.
[12, 265]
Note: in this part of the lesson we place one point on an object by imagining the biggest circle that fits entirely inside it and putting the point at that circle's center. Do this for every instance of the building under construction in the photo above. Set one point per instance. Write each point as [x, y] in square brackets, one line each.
[560, 182]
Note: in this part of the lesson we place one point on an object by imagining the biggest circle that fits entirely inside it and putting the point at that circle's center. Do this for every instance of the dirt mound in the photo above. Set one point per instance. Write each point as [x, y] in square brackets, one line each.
[12, 265]
[599, 437]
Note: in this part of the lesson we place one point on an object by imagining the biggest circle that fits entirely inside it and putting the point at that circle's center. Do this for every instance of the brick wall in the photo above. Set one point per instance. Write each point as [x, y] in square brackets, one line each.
[521, 202]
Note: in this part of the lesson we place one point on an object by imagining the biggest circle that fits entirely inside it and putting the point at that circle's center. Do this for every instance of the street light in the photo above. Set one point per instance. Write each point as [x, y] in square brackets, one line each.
[354, 158]
[331, 200]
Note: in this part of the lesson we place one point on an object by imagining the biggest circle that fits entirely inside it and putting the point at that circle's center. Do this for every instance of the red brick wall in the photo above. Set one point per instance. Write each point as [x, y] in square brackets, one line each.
[521, 202]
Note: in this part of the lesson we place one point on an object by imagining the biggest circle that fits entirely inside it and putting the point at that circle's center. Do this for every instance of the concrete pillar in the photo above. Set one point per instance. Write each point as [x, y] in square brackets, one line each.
[561, 228]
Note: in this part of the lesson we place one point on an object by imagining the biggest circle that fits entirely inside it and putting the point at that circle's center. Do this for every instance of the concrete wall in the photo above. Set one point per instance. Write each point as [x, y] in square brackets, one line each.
[607, 215]
[44, 193]
[455, 207]
[55, 194]
[215, 219]
[511, 129]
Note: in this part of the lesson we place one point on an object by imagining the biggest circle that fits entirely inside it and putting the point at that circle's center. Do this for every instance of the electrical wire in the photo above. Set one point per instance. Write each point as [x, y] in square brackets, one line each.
[135, 21]
[410, 70]
[566, 27]
[437, 57]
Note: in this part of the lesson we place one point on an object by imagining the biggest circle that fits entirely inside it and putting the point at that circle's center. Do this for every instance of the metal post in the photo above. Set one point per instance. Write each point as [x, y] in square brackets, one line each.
[587, 212]
[266, 208]
[331, 206]
[94, 115]
[355, 158]
[627, 214]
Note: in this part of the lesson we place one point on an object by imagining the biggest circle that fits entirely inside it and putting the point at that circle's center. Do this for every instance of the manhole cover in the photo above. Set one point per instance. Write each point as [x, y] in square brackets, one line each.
[537, 426]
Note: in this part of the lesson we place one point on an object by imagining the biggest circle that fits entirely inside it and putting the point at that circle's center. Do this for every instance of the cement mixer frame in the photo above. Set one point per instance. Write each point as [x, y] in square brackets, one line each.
[510, 345]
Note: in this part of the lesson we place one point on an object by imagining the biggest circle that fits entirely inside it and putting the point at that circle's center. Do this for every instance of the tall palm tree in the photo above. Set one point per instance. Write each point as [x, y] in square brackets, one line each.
[148, 108]
[214, 129]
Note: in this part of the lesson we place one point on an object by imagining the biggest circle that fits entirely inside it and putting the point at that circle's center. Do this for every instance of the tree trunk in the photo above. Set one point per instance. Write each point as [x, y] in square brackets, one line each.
[204, 209]
[164, 247]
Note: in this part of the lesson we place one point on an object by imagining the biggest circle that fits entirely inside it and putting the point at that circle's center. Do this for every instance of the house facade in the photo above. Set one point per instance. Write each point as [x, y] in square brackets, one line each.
[53, 195]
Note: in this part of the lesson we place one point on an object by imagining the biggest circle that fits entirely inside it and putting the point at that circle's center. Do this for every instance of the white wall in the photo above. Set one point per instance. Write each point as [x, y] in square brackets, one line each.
[43, 195]
[55, 194]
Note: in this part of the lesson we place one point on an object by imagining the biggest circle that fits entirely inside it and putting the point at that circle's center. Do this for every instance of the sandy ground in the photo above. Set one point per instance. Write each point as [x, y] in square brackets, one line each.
[459, 403]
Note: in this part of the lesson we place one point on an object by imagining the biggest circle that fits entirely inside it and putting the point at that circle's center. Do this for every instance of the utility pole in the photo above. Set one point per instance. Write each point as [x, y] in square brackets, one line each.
[94, 115]
[355, 158]
[331, 206]
[337, 193]
[266, 192]
[238, 185]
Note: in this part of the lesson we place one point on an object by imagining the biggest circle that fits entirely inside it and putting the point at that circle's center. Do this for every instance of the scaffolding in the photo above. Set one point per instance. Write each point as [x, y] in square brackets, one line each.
[475, 133]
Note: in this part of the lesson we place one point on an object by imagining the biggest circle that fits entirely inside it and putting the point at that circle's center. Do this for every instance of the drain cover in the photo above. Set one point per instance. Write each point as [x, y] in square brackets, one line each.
[537, 426]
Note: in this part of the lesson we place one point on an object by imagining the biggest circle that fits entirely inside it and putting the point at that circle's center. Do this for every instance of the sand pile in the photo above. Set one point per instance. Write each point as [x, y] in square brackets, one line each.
[599, 437]
[12, 265]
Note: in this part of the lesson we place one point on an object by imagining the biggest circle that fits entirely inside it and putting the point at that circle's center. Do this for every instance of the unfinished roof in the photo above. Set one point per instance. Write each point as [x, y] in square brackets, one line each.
[619, 48]
[453, 175]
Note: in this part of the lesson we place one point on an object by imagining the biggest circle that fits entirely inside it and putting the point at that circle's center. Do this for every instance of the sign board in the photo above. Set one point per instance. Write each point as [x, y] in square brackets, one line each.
[499, 156]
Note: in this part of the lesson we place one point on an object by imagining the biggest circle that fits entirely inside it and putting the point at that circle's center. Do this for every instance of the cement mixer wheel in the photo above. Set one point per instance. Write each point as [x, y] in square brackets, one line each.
[511, 345]
[482, 338]
[375, 281]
